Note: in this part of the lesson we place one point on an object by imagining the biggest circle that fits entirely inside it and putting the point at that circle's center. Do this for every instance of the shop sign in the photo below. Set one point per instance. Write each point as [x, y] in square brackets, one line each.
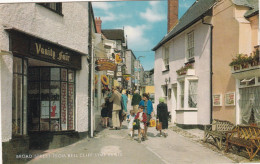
[127, 75]
[230, 99]
[105, 64]
[118, 58]
[110, 73]
[217, 100]
[41, 49]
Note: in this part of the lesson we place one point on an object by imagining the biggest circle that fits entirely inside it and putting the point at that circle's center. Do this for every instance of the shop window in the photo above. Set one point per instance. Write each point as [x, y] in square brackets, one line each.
[51, 99]
[192, 99]
[182, 94]
[249, 105]
[19, 101]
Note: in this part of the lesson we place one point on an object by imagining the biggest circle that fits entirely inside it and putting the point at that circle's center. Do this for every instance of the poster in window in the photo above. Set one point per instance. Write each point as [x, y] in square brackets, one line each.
[217, 100]
[230, 99]
[44, 109]
[64, 106]
[55, 109]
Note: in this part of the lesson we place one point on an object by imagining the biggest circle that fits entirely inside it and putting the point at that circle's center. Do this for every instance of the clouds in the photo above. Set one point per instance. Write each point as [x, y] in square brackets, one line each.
[154, 13]
[108, 11]
[136, 37]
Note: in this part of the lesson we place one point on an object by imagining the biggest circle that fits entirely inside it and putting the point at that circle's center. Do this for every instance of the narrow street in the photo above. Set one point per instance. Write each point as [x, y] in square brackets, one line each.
[112, 146]
[115, 146]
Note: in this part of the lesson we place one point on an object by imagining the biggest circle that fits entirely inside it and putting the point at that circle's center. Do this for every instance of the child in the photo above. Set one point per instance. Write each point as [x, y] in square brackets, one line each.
[130, 119]
[104, 114]
[142, 117]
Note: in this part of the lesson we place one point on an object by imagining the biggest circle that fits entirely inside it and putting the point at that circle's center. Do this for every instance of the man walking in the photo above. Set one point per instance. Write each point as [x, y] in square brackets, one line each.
[116, 99]
[135, 101]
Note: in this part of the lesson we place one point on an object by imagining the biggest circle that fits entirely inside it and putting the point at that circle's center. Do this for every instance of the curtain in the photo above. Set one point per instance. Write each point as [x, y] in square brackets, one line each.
[249, 104]
[193, 94]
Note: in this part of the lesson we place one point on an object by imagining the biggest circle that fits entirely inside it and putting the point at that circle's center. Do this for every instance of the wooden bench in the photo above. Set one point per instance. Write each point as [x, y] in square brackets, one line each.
[217, 130]
[244, 136]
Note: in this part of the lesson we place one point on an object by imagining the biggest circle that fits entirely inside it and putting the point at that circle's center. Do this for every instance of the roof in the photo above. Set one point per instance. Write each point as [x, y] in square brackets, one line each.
[114, 34]
[198, 10]
[252, 4]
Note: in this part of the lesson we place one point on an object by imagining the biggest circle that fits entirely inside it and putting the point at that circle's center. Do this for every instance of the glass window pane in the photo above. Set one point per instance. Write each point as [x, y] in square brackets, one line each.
[45, 106]
[55, 125]
[45, 89]
[192, 101]
[17, 65]
[71, 107]
[17, 105]
[55, 73]
[71, 76]
[64, 74]
[55, 91]
[33, 74]
[33, 106]
[64, 106]
[45, 74]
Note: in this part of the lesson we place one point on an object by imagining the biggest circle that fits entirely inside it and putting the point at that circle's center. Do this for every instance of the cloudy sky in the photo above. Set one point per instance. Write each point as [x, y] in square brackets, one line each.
[145, 23]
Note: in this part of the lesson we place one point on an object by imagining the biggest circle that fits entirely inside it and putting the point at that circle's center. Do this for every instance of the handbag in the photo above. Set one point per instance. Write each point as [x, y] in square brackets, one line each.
[152, 123]
[136, 124]
[158, 125]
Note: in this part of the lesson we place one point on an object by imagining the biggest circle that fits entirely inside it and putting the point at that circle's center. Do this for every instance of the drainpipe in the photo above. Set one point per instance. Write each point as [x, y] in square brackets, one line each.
[211, 73]
[91, 61]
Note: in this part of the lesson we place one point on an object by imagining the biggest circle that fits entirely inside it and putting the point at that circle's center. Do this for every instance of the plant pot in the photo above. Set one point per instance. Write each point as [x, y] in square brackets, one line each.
[244, 65]
[236, 67]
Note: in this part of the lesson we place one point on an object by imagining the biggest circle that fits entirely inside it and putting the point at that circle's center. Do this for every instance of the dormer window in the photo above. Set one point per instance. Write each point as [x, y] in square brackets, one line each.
[56, 7]
[166, 58]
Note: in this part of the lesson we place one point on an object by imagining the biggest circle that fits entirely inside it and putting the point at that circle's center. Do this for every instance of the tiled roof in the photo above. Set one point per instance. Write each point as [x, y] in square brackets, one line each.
[253, 4]
[192, 15]
[114, 34]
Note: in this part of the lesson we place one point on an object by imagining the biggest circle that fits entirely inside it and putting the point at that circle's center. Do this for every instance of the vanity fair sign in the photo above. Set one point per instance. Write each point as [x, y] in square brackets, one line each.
[24, 44]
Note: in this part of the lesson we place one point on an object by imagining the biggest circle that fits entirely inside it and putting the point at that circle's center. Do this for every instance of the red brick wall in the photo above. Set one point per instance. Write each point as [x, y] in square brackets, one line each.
[172, 14]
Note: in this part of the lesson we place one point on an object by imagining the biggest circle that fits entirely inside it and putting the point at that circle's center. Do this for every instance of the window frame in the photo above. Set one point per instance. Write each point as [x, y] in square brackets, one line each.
[190, 46]
[165, 57]
[48, 6]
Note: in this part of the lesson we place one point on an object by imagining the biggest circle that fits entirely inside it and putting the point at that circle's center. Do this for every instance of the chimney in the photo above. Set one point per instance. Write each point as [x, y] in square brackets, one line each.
[98, 22]
[172, 14]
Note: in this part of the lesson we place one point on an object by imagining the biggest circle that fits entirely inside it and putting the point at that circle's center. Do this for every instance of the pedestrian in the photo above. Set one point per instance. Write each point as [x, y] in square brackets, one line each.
[136, 100]
[116, 99]
[142, 117]
[162, 116]
[148, 109]
[130, 120]
[104, 113]
[123, 112]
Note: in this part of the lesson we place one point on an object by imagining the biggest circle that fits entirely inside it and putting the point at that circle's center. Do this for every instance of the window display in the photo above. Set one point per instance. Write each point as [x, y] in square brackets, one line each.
[54, 92]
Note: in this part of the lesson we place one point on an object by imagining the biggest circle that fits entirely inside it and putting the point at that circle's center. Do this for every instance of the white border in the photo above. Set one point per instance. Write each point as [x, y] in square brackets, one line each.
[220, 99]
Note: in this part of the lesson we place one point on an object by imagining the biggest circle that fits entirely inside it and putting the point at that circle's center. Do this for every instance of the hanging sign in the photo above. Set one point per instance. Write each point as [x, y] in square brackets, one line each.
[105, 64]
[104, 79]
[118, 58]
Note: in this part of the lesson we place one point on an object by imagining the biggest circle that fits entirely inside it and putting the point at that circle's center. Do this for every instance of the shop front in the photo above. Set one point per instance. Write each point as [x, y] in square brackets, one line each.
[44, 91]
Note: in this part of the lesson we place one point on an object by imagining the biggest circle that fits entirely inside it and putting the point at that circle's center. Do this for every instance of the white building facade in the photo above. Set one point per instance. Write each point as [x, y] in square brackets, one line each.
[182, 61]
[44, 74]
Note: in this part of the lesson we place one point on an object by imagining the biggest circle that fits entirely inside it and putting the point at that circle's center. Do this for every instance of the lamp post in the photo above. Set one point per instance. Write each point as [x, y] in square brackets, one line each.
[166, 87]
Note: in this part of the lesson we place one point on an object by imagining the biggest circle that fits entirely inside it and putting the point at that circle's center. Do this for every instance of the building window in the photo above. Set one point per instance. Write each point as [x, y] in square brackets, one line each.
[190, 46]
[56, 7]
[182, 94]
[51, 95]
[192, 99]
[166, 58]
[19, 98]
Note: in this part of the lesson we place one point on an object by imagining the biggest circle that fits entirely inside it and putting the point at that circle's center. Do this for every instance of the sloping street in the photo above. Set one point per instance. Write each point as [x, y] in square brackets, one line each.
[115, 146]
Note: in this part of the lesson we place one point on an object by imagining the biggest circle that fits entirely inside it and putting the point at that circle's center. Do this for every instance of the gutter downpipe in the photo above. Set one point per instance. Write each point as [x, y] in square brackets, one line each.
[91, 61]
[211, 73]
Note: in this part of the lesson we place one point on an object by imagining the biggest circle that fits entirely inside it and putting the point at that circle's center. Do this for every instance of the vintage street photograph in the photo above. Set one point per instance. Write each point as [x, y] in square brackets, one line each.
[129, 81]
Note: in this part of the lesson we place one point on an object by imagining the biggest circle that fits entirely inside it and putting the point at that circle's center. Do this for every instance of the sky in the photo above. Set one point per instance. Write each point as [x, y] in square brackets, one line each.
[144, 22]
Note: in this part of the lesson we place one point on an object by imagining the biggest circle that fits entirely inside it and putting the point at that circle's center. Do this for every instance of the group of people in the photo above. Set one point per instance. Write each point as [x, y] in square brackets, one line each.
[115, 107]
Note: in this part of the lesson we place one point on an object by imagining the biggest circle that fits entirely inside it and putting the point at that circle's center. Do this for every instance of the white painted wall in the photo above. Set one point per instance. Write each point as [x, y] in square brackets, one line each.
[176, 61]
[69, 30]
